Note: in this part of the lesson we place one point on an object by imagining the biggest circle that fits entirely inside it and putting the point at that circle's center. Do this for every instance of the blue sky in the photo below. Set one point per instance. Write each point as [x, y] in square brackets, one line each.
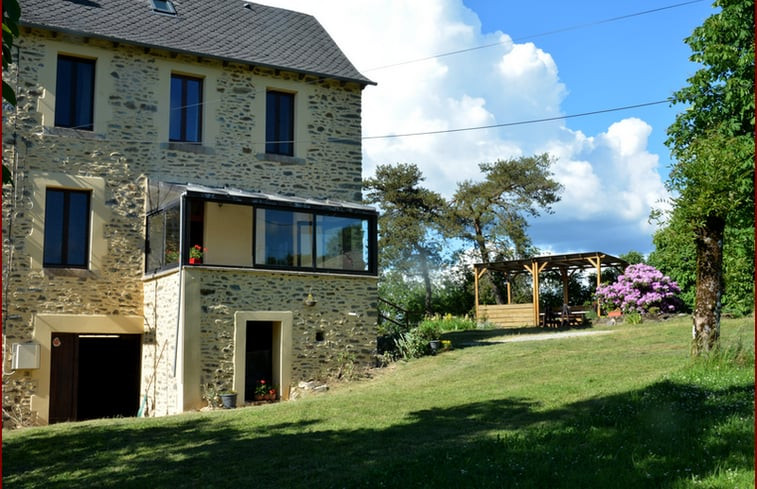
[613, 166]
[618, 63]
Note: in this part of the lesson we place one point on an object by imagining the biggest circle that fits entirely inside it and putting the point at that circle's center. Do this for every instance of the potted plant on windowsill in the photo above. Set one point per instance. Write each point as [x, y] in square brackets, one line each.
[195, 254]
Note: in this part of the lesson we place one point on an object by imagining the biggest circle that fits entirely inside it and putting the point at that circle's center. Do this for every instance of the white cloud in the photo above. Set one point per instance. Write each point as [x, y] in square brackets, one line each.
[611, 180]
[531, 73]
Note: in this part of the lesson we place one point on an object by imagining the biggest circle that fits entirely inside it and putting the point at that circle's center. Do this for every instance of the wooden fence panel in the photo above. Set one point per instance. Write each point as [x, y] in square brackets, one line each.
[508, 315]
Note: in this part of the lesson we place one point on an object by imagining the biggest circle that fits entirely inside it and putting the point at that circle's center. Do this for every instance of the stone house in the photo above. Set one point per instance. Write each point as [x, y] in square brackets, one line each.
[148, 133]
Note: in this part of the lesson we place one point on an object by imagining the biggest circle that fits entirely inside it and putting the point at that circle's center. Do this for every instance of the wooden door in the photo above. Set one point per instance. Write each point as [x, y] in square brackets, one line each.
[64, 376]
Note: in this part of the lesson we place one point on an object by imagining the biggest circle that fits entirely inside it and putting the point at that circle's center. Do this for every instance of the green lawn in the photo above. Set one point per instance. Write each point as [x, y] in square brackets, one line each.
[621, 410]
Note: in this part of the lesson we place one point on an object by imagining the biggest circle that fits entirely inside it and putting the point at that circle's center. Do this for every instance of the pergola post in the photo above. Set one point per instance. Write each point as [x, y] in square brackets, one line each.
[477, 274]
[597, 262]
[564, 274]
[534, 270]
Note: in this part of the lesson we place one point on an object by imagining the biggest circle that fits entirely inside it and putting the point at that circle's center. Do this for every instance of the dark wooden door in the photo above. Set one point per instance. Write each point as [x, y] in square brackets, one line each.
[94, 376]
[64, 376]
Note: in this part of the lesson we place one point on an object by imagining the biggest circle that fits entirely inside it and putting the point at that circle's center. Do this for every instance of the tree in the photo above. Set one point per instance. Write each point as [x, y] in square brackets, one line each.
[11, 15]
[410, 215]
[491, 214]
[713, 144]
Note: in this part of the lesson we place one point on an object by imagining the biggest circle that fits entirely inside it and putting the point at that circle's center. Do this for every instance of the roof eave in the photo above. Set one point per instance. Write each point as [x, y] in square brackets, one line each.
[363, 82]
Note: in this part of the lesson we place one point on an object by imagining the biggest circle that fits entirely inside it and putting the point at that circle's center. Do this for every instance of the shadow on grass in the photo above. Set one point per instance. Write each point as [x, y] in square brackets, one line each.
[661, 436]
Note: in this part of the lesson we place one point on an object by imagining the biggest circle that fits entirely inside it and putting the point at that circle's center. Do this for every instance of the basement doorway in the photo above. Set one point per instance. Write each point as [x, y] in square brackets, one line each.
[258, 356]
[94, 376]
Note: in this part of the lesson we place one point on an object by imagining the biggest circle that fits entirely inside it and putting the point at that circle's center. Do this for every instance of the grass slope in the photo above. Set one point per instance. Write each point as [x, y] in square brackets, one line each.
[623, 410]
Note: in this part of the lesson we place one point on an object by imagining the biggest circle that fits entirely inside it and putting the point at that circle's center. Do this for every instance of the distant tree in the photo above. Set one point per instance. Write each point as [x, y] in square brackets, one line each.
[675, 255]
[713, 144]
[11, 16]
[409, 222]
[632, 257]
[491, 214]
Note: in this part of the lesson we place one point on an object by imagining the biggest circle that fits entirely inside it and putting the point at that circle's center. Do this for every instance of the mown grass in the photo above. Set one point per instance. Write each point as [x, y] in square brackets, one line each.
[622, 410]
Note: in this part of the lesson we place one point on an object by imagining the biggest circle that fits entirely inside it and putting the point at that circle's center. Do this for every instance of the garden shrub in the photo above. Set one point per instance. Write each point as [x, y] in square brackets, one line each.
[412, 344]
[415, 342]
[641, 289]
[448, 322]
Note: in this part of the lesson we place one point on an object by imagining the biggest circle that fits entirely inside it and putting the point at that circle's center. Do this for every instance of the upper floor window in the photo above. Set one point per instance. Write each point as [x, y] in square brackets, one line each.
[66, 228]
[186, 109]
[75, 93]
[279, 123]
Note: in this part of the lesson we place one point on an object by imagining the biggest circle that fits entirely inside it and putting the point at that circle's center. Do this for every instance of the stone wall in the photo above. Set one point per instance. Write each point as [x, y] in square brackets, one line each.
[344, 316]
[160, 379]
[129, 145]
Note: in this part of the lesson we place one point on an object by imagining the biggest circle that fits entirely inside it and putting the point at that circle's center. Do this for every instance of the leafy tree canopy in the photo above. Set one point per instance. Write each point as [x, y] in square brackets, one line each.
[408, 226]
[491, 214]
[713, 144]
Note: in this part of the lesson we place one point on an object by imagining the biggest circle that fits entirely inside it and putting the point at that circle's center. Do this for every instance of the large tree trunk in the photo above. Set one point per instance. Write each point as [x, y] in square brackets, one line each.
[709, 243]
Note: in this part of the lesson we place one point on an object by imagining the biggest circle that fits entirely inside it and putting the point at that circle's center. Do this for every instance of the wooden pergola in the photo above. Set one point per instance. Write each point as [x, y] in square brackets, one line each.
[528, 314]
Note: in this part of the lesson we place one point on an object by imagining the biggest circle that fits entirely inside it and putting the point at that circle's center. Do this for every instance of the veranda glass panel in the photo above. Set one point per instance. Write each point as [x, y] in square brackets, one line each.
[173, 235]
[155, 257]
[342, 243]
[283, 238]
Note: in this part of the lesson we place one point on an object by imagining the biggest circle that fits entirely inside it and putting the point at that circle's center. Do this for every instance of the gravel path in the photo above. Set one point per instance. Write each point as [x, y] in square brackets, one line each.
[553, 336]
[541, 336]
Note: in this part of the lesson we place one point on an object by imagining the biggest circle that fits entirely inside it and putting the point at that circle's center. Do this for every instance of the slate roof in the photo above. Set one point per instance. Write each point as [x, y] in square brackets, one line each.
[232, 30]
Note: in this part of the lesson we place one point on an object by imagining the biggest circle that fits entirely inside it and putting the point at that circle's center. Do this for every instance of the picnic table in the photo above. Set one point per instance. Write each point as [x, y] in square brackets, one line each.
[565, 316]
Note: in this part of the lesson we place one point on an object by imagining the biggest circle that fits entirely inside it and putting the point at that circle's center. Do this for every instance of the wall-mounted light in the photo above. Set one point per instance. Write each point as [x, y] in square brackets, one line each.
[310, 300]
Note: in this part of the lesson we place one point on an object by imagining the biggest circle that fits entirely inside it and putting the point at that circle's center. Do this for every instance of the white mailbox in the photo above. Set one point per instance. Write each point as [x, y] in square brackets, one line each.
[25, 356]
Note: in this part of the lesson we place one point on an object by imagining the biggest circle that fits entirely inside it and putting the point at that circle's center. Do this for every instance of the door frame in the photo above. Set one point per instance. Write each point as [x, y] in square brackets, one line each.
[282, 348]
[46, 324]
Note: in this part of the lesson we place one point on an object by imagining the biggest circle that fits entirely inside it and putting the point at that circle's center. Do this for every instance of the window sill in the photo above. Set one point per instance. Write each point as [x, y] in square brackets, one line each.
[68, 272]
[283, 159]
[196, 148]
[70, 132]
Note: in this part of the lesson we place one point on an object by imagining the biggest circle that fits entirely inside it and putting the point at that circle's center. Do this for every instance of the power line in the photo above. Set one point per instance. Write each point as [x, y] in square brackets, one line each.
[534, 36]
[519, 123]
[424, 133]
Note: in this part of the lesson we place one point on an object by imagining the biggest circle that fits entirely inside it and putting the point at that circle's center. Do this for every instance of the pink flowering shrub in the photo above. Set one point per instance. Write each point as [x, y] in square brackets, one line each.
[640, 288]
